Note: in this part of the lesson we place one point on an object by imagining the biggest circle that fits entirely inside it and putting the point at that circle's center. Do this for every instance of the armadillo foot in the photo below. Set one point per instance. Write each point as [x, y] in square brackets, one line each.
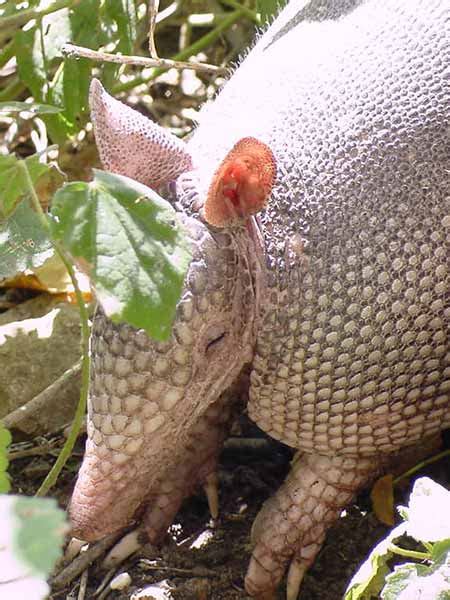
[291, 525]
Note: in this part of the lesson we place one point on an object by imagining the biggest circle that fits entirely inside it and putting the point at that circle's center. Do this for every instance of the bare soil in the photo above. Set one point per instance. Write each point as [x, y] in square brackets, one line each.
[216, 571]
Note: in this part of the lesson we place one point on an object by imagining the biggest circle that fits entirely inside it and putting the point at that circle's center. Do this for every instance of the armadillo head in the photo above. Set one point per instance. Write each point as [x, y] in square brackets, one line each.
[146, 396]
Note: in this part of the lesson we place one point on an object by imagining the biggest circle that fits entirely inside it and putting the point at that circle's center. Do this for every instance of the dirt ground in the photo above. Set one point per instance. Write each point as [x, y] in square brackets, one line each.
[216, 571]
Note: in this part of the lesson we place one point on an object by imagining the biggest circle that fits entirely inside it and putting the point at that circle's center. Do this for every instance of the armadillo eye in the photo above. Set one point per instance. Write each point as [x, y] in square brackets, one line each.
[215, 343]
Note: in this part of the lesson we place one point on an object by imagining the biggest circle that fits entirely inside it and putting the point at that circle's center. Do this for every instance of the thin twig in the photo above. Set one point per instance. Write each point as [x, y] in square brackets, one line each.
[36, 451]
[28, 418]
[198, 46]
[104, 583]
[153, 6]
[72, 51]
[83, 585]
[81, 562]
[194, 572]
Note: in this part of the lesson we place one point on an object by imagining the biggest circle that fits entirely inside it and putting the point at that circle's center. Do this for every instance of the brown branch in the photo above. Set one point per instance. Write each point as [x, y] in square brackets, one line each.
[72, 51]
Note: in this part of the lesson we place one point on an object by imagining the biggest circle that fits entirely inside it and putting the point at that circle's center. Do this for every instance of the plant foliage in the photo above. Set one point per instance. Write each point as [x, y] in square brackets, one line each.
[427, 520]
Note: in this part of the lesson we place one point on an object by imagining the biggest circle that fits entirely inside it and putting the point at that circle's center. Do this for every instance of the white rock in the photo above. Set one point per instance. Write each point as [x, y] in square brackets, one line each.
[120, 581]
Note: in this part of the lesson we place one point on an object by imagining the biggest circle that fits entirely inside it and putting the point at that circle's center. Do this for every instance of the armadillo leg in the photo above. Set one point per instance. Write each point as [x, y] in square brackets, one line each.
[291, 525]
[197, 467]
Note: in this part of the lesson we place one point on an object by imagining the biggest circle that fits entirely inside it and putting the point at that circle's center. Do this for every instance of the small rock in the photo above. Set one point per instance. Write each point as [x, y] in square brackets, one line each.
[156, 591]
[39, 341]
[120, 582]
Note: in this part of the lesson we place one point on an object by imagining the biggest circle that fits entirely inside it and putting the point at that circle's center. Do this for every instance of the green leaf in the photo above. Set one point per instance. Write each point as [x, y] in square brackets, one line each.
[5, 441]
[32, 68]
[441, 551]
[24, 243]
[129, 241]
[76, 89]
[5, 437]
[31, 536]
[269, 8]
[428, 511]
[40, 535]
[83, 19]
[30, 62]
[13, 186]
[412, 580]
[123, 14]
[370, 577]
[35, 108]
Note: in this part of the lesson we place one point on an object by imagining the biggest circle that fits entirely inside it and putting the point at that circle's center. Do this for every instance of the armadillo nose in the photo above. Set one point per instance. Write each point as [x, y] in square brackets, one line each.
[104, 500]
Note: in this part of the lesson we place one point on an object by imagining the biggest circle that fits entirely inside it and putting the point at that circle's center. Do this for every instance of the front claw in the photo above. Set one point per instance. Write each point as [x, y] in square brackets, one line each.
[292, 525]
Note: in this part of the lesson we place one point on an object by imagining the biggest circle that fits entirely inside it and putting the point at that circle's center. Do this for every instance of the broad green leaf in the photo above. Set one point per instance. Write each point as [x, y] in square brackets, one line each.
[39, 538]
[34, 107]
[5, 437]
[441, 551]
[415, 581]
[31, 537]
[5, 441]
[370, 577]
[13, 185]
[30, 62]
[32, 68]
[76, 77]
[428, 511]
[130, 243]
[118, 23]
[24, 243]
[76, 89]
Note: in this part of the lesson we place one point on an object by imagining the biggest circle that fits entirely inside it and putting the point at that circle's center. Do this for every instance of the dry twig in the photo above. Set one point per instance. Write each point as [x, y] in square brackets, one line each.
[77, 566]
[72, 51]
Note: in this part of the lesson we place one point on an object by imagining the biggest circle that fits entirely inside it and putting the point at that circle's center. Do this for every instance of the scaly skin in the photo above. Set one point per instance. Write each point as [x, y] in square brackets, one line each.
[335, 295]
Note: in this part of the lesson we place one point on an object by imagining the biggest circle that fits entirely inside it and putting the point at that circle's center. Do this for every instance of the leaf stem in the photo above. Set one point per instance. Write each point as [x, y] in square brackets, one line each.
[421, 465]
[409, 553]
[66, 451]
[24, 16]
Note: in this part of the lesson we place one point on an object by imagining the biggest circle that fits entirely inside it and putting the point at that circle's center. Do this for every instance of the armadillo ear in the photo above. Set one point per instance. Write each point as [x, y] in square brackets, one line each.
[132, 145]
[242, 184]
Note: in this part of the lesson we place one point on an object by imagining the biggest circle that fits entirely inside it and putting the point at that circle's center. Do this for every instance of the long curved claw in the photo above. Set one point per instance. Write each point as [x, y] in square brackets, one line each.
[211, 488]
[124, 548]
[292, 524]
[297, 570]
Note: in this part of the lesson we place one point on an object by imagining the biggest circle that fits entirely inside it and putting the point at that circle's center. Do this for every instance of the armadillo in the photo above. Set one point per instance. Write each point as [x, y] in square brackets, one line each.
[314, 192]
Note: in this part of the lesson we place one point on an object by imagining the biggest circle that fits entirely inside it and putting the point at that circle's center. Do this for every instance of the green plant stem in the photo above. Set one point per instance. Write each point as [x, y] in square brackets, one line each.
[66, 451]
[7, 53]
[12, 90]
[409, 553]
[421, 465]
[24, 16]
[194, 48]
[248, 12]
